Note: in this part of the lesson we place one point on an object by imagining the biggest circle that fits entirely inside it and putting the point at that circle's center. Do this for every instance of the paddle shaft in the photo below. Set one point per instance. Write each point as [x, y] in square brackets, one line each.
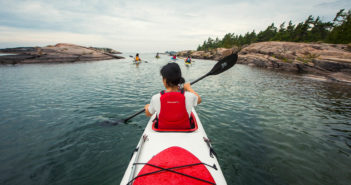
[132, 116]
[191, 83]
[140, 59]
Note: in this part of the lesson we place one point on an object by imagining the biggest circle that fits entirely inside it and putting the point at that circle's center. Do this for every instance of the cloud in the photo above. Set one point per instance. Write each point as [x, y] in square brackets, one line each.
[27, 36]
[339, 4]
[146, 26]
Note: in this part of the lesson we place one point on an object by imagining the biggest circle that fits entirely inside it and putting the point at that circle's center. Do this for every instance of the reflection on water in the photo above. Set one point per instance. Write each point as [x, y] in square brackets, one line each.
[267, 127]
[4, 54]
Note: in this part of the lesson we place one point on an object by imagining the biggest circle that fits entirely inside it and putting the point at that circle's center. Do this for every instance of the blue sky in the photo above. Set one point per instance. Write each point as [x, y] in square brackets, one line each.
[147, 26]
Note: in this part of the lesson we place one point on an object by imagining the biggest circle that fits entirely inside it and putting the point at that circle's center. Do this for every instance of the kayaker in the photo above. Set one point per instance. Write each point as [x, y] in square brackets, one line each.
[176, 103]
[137, 58]
[174, 57]
[157, 55]
[188, 60]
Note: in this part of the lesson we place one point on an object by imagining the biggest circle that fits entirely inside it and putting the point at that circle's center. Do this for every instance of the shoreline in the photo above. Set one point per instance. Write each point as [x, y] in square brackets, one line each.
[330, 61]
[59, 53]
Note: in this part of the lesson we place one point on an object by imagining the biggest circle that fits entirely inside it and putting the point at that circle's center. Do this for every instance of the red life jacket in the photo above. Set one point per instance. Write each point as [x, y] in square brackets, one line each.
[173, 113]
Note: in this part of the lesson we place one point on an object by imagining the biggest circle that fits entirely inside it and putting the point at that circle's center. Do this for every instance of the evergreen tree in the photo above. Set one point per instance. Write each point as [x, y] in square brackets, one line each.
[311, 30]
[341, 32]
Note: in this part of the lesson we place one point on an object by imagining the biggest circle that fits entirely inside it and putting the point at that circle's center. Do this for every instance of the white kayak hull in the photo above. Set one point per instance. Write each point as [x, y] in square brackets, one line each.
[157, 142]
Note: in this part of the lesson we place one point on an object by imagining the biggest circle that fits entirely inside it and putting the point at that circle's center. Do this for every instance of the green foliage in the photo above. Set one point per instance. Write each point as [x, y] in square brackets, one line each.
[304, 60]
[311, 30]
[284, 59]
[308, 57]
[342, 28]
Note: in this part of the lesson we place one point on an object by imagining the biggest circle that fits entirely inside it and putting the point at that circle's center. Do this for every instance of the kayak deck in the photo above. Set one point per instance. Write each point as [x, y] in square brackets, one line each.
[174, 165]
[188, 148]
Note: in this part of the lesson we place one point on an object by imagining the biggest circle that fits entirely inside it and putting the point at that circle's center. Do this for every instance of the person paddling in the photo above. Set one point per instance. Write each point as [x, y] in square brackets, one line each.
[137, 58]
[188, 60]
[173, 106]
[174, 57]
[157, 55]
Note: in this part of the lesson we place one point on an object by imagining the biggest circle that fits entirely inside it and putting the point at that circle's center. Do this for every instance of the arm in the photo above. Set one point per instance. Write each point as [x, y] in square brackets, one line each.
[147, 113]
[187, 87]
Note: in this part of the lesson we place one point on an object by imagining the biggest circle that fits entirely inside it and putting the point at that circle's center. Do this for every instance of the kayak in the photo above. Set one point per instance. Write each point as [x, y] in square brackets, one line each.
[187, 63]
[136, 62]
[174, 157]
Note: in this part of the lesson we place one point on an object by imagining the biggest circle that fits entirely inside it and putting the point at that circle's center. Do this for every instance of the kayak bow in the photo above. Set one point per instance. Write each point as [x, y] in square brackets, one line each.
[174, 157]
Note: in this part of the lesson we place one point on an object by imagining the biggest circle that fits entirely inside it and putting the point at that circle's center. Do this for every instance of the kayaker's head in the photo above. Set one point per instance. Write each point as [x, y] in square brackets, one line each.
[137, 54]
[171, 75]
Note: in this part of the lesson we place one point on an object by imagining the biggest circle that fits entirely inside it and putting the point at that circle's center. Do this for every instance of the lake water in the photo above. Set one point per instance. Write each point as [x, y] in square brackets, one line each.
[266, 127]
[6, 54]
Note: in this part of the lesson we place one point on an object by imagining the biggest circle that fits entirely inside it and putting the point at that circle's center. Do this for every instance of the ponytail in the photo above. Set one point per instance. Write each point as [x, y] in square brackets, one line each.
[173, 75]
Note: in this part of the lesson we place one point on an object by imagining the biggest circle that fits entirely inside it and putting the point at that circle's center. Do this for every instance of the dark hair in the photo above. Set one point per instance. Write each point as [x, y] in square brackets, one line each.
[172, 73]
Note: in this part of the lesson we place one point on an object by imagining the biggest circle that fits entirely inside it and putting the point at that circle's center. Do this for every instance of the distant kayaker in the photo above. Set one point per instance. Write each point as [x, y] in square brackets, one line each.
[137, 58]
[174, 57]
[157, 55]
[176, 103]
[188, 60]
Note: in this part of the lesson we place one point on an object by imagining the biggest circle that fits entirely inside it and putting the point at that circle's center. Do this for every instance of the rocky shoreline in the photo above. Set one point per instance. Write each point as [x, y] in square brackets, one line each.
[329, 61]
[59, 53]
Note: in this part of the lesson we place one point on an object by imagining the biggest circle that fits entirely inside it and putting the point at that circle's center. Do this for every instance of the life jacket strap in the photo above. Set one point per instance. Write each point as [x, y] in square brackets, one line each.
[163, 92]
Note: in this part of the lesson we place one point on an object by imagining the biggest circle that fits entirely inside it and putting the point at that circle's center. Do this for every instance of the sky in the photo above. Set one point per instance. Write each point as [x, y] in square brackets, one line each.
[147, 25]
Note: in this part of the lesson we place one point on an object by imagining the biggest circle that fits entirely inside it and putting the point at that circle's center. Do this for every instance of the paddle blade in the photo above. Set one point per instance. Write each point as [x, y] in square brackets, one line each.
[224, 64]
[112, 123]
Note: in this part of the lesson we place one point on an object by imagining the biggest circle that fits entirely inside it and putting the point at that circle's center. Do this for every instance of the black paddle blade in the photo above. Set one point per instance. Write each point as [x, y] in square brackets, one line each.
[119, 122]
[112, 123]
[224, 64]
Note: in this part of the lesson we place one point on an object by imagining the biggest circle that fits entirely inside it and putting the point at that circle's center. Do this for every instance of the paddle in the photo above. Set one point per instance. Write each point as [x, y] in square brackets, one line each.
[140, 60]
[221, 66]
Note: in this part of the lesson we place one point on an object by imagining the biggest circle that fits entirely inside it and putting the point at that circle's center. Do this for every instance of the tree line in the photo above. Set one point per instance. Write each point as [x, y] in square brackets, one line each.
[311, 30]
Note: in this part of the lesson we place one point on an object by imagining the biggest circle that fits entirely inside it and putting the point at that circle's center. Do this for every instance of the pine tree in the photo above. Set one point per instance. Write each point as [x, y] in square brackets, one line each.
[311, 30]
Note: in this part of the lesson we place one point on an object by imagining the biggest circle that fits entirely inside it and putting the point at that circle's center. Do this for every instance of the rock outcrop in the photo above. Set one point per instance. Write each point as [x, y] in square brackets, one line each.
[331, 61]
[215, 54]
[60, 53]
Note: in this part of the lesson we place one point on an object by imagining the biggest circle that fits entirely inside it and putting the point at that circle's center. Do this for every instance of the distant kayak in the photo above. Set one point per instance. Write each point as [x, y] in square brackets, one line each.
[136, 62]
